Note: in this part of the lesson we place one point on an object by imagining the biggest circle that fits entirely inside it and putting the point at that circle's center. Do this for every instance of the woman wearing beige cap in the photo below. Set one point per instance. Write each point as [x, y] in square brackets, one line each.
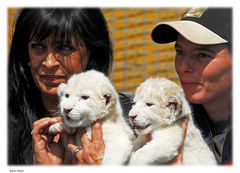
[203, 63]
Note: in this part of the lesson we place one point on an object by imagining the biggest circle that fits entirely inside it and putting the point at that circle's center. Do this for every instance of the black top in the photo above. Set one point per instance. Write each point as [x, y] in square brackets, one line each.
[20, 151]
[218, 135]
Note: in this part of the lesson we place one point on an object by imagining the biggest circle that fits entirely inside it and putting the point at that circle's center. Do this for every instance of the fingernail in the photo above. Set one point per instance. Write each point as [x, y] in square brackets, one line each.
[55, 120]
[97, 125]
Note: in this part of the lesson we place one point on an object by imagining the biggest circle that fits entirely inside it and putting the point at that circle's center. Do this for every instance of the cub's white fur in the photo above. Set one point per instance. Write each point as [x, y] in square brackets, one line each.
[159, 109]
[90, 96]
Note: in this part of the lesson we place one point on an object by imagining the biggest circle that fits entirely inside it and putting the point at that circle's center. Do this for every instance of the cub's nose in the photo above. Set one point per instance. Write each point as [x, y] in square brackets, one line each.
[66, 111]
[132, 117]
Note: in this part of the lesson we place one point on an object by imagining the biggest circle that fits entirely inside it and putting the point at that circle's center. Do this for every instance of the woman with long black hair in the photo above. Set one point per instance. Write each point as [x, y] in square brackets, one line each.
[48, 46]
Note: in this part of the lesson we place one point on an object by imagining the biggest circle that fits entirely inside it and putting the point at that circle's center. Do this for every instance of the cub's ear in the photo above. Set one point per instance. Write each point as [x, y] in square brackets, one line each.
[60, 89]
[174, 104]
[109, 99]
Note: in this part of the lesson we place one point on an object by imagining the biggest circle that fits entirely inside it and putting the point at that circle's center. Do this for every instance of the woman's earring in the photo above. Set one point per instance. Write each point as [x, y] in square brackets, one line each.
[29, 64]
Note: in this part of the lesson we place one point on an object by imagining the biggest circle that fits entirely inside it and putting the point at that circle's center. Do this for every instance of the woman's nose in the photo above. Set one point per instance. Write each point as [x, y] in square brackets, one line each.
[51, 60]
[184, 65]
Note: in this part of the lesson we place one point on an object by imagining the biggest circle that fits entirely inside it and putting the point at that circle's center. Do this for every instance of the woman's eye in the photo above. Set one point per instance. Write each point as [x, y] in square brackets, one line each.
[65, 49]
[84, 97]
[179, 52]
[38, 46]
[204, 56]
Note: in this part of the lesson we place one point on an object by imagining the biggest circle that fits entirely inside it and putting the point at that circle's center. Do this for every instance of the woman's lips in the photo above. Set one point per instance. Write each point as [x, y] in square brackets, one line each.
[54, 79]
[189, 84]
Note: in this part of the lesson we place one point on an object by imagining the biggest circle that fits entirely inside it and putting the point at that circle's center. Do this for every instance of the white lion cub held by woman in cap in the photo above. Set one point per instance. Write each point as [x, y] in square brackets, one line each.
[159, 109]
[90, 96]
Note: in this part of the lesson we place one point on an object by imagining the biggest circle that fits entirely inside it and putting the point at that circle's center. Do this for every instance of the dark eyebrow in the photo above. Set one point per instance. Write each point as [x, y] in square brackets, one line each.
[206, 49]
[210, 48]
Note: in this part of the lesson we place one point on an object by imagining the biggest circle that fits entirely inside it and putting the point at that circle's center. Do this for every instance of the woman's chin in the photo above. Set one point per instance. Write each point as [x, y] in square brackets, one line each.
[51, 91]
[196, 99]
[48, 89]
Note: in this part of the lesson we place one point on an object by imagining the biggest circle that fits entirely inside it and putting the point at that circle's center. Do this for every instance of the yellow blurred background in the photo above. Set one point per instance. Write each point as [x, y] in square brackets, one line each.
[136, 56]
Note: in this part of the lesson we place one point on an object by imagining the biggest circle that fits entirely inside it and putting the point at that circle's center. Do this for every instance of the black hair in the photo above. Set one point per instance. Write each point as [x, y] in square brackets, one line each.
[85, 25]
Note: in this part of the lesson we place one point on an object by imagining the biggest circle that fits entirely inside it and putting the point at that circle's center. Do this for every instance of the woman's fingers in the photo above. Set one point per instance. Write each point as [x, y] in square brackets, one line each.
[92, 150]
[97, 134]
[84, 139]
[40, 139]
[46, 152]
[184, 126]
[43, 123]
[179, 158]
[77, 153]
[97, 142]
[88, 152]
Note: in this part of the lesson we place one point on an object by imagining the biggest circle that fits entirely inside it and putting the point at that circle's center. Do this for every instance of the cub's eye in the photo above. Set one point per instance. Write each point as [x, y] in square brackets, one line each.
[66, 95]
[84, 97]
[149, 104]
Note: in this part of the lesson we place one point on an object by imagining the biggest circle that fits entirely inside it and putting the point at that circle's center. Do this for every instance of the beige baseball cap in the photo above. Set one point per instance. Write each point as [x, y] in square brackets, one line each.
[199, 25]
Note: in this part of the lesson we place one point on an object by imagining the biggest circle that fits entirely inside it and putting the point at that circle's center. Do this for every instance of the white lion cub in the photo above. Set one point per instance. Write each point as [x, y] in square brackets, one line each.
[159, 109]
[90, 96]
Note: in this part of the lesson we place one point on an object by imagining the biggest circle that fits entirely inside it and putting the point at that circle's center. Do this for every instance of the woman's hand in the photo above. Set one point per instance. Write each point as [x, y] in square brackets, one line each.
[93, 150]
[179, 158]
[45, 150]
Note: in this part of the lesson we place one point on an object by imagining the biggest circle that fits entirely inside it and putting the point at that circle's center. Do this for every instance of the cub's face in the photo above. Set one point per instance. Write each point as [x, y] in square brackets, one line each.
[155, 106]
[82, 102]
